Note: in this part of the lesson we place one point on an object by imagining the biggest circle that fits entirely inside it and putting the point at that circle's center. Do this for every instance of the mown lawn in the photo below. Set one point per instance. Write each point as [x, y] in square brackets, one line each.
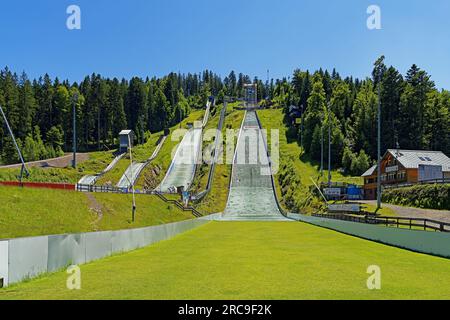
[252, 260]
[33, 212]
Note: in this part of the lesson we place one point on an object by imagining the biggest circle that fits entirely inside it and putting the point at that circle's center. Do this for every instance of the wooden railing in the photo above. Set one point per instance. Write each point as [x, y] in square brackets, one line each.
[108, 189]
[399, 222]
[178, 205]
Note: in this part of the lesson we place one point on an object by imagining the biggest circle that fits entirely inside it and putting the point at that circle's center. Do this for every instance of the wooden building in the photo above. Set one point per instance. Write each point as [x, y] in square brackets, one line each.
[407, 167]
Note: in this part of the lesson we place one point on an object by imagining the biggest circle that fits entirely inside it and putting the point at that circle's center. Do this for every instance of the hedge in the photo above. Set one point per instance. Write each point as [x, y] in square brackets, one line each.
[430, 196]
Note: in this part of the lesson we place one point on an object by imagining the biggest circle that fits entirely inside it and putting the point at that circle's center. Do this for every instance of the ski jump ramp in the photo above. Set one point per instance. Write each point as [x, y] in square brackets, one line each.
[92, 179]
[182, 169]
[134, 170]
[251, 196]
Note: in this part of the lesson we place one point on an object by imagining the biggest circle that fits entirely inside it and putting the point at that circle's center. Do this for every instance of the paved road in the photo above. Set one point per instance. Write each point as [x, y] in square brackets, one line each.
[251, 195]
[409, 212]
[60, 162]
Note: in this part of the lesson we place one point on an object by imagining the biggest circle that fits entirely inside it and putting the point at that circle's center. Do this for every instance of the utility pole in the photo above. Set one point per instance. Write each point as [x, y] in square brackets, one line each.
[133, 209]
[379, 147]
[329, 144]
[74, 138]
[321, 150]
[24, 168]
[301, 127]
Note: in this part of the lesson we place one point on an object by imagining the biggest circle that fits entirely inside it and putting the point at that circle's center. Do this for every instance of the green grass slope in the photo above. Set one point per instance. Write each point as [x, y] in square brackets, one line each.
[33, 212]
[255, 260]
[216, 200]
[96, 163]
[293, 159]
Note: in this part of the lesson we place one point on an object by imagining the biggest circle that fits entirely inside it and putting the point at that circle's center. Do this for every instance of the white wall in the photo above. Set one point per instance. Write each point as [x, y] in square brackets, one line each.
[4, 262]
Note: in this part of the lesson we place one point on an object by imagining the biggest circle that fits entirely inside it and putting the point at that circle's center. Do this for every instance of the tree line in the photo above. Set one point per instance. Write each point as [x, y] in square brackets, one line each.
[40, 111]
[415, 115]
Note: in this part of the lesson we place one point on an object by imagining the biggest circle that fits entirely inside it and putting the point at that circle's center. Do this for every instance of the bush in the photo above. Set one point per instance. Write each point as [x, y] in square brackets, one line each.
[433, 196]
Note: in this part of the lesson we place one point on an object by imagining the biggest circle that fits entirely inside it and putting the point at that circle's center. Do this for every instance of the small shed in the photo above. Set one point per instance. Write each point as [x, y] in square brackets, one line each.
[126, 138]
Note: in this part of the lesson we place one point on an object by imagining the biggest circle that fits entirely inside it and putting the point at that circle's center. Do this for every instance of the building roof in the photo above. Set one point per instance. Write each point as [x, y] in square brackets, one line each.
[370, 172]
[411, 159]
[125, 132]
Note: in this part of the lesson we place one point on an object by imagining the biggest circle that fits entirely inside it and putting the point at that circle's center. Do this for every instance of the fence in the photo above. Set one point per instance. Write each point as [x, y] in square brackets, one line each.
[411, 223]
[103, 189]
[26, 258]
[109, 189]
[178, 205]
[434, 243]
[39, 185]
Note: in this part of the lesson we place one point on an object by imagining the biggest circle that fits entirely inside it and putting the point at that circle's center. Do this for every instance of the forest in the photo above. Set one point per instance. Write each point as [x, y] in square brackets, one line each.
[414, 113]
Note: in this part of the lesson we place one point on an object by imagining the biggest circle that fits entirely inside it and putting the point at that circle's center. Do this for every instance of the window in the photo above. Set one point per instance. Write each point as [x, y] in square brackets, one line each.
[401, 175]
[428, 159]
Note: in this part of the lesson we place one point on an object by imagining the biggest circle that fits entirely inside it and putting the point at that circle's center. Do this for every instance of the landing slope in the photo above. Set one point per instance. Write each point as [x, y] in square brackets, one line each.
[251, 194]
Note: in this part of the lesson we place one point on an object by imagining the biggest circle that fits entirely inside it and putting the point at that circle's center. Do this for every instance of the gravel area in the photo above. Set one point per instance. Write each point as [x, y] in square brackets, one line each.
[410, 212]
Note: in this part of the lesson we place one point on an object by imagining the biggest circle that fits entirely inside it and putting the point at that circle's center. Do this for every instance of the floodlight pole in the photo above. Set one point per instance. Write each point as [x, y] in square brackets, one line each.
[74, 142]
[133, 209]
[329, 144]
[321, 150]
[24, 168]
[379, 147]
[301, 127]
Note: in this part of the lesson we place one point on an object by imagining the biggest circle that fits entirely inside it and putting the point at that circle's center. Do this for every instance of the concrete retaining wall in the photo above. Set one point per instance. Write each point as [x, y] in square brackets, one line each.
[26, 258]
[434, 243]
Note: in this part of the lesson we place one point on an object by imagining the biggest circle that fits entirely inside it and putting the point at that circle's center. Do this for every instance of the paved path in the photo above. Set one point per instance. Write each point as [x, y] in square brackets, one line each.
[409, 212]
[60, 162]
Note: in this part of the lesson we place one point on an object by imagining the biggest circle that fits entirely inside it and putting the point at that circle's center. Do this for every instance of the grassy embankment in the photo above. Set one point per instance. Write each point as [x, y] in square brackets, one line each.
[276, 261]
[293, 179]
[96, 163]
[33, 212]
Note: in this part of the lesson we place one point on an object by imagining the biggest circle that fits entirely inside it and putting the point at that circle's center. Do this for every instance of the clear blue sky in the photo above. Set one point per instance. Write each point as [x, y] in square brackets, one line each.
[124, 38]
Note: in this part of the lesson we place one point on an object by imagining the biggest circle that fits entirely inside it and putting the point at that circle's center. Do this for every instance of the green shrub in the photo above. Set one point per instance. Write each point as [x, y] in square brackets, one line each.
[432, 196]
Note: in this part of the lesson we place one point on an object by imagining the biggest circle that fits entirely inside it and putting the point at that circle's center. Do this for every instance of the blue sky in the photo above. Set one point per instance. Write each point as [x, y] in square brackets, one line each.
[124, 38]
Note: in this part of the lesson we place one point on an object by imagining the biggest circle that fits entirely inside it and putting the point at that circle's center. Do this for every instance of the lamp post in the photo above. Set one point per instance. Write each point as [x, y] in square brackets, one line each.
[329, 144]
[379, 147]
[301, 126]
[133, 209]
[74, 138]
[321, 150]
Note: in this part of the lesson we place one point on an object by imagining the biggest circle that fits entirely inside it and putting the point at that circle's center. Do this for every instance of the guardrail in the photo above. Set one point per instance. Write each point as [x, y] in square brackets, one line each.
[399, 222]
